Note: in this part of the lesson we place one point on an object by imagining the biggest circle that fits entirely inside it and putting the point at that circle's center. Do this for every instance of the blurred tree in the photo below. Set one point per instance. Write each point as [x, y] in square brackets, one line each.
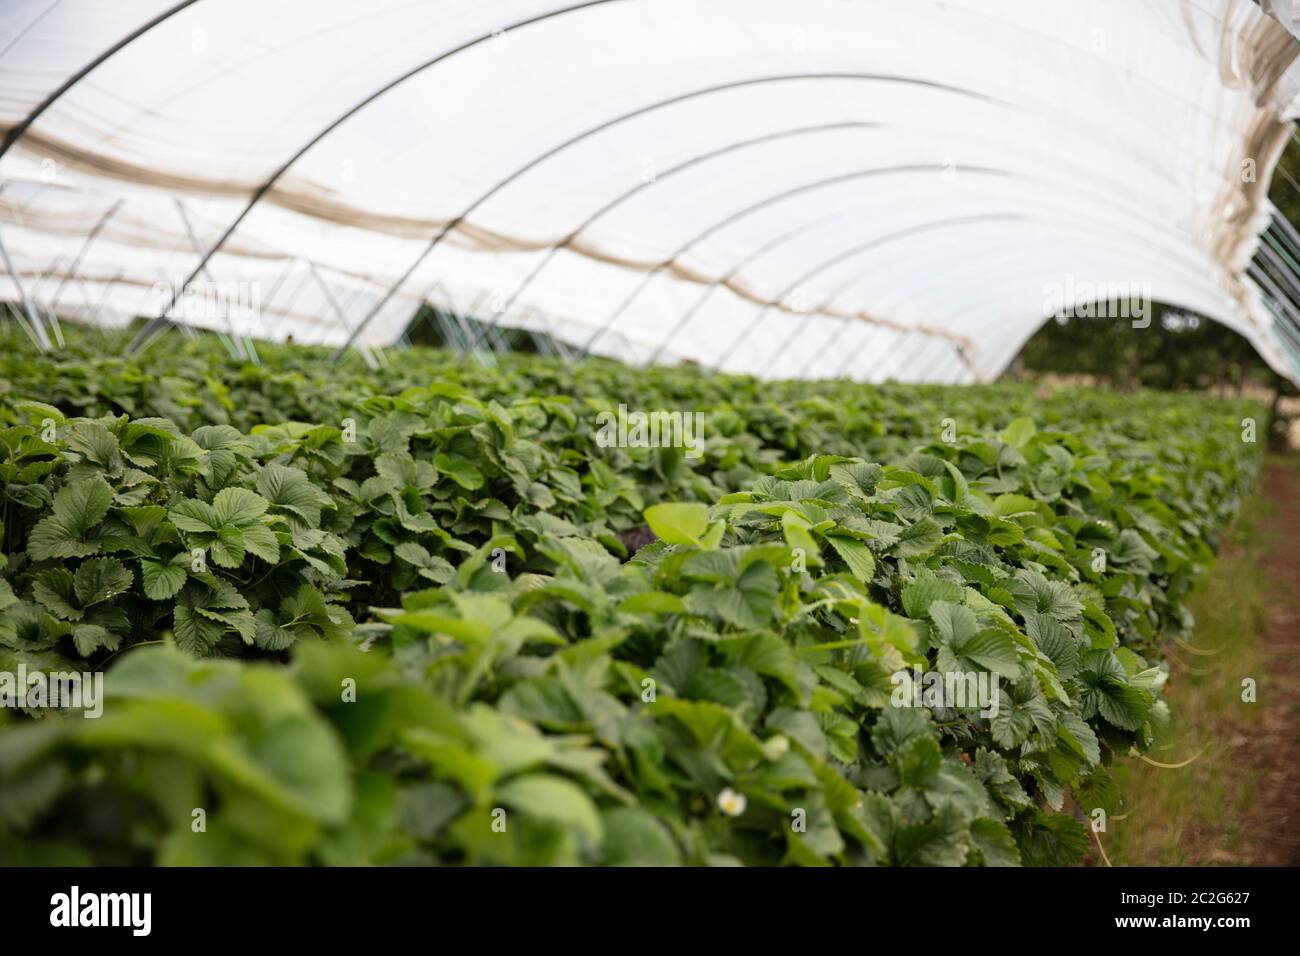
[1176, 351]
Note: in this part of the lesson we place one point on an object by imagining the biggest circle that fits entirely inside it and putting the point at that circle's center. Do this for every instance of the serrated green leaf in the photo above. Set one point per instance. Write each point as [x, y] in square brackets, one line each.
[161, 580]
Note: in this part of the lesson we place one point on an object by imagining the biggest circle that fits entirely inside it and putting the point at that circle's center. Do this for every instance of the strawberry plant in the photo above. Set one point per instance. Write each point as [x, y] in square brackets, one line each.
[423, 616]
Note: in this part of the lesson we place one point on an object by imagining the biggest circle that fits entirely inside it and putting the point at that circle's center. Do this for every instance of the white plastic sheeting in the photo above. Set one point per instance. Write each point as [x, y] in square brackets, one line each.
[876, 188]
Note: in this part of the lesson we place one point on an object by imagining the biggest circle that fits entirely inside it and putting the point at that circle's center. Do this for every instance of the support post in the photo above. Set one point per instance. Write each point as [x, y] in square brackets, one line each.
[338, 313]
[42, 339]
[81, 253]
[236, 349]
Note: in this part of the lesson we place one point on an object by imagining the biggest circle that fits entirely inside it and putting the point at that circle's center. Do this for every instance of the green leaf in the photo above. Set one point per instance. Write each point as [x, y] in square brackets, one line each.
[260, 541]
[993, 772]
[238, 506]
[228, 551]
[89, 638]
[411, 553]
[634, 837]
[189, 514]
[925, 590]
[55, 589]
[460, 470]
[1019, 432]
[995, 843]
[939, 841]
[858, 477]
[1012, 504]
[1109, 692]
[194, 633]
[93, 442]
[269, 635]
[434, 568]
[291, 490]
[1052, 839]
[652, 602]
[991, 649]
[712, 726]
[161, 580]
[920, 539]
[308, 609]
[1079, 736]
[1021, 712]
[78, 507]
[37, 412]
[802, 727]
[994, 650]
[746, 604]
[101, 579]
[920, 763]
[764, 653]
[856, 555]
[1053, 639]
[678, 523]
[1035, 593]
[555, 800]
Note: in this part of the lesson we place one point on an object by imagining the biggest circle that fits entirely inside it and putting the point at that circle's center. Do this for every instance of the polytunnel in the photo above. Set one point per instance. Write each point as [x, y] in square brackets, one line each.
[874, 189]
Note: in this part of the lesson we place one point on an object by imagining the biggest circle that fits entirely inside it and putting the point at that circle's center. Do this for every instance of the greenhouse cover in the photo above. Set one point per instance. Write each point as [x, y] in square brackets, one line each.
[876, 188]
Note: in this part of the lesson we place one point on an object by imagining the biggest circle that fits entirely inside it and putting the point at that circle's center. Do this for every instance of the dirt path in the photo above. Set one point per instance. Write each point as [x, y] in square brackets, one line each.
[1273, 821]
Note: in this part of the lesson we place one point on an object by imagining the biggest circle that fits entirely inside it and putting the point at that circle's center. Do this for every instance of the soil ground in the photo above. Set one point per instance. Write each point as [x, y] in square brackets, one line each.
[1273, 750]
[1230, 793]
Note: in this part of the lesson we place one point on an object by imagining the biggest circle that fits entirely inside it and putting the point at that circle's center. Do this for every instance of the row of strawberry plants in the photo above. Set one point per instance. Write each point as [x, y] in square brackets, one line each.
[751, 424]
[532, 692]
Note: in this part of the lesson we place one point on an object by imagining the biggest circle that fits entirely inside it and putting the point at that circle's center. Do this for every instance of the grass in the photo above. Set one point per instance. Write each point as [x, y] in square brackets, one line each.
[1198, 814]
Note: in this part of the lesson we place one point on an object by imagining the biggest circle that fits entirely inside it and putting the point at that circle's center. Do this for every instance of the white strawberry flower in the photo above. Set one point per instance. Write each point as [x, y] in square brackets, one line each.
[731, 803]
